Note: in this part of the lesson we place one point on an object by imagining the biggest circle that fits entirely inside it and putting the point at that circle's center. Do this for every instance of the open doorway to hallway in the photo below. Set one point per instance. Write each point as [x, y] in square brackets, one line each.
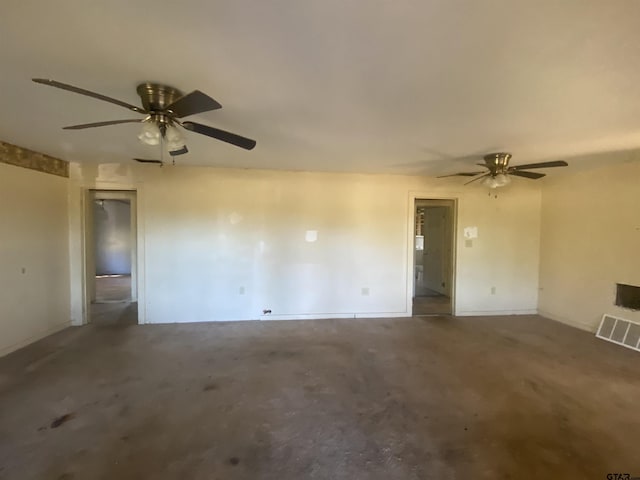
[112, 246]
[433, 257]
[111, 256]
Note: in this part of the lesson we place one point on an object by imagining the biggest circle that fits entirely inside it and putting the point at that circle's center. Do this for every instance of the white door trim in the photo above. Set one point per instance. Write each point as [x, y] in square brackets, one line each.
[80, 245]
[413, 196]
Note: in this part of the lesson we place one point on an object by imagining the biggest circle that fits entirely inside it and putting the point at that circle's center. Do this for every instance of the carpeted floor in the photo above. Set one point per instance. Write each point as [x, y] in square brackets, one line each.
[420, 398]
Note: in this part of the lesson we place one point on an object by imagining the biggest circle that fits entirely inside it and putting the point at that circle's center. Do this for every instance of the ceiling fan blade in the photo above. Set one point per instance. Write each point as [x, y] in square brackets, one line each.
[144, 160]
[100, 124]
[532, 175]
[555, 163]
[228, 137]
[461, 174]
[82, 91]
[192, 103]
[478, 178]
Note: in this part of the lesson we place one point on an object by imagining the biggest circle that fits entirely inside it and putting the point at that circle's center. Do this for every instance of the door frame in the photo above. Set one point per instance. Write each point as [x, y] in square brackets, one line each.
[413, 198]
[89, 195]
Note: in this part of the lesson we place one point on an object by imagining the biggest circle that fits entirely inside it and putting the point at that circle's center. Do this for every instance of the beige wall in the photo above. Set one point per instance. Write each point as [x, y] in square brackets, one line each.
[223, 244]
[34, 255]
[590, 240]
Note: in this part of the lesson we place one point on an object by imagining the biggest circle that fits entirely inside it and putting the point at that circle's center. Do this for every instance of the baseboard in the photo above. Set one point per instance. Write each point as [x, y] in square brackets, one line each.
[326, 316]
[34, 338]
[296, 316]
[487, 313]
[567, 321]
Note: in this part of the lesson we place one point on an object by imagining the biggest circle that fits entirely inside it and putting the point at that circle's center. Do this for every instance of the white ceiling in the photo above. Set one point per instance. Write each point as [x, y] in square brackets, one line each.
[386, 86]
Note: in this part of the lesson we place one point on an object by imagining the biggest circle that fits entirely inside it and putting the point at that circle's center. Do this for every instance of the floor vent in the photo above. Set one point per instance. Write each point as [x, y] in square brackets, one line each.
[620, 331]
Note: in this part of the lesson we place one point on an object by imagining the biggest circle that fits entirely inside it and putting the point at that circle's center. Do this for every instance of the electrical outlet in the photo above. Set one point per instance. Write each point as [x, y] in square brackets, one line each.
[493, 290]
[241, 290]
[365, 291]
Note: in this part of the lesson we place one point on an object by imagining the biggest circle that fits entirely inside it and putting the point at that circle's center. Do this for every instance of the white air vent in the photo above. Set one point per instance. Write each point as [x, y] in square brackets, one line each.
[620, 331]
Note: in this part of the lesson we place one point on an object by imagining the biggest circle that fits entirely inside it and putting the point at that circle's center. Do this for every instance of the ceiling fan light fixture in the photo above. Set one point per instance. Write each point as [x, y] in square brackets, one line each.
[175, 140]
[498, 173]
[491, 182]
[502, 180]
[163, 106]
[497, 181]
[150, 133]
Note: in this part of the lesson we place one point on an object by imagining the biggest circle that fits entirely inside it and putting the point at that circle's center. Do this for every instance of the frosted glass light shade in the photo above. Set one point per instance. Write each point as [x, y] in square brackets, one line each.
[498, 181]
[502, 180]
[490, 182]
[149, 134]
[175, 140]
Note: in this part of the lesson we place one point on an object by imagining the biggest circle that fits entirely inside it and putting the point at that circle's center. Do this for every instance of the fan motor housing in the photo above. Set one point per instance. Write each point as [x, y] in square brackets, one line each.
[497, 162]
[156, 97]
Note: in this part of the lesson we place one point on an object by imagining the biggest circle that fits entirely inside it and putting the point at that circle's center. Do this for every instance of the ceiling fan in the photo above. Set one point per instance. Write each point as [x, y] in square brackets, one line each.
[163, 107]
[499, 171]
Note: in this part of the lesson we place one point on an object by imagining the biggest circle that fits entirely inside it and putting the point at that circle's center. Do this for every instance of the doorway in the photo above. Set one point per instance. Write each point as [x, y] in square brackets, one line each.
[112, 256]
[433, 257]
